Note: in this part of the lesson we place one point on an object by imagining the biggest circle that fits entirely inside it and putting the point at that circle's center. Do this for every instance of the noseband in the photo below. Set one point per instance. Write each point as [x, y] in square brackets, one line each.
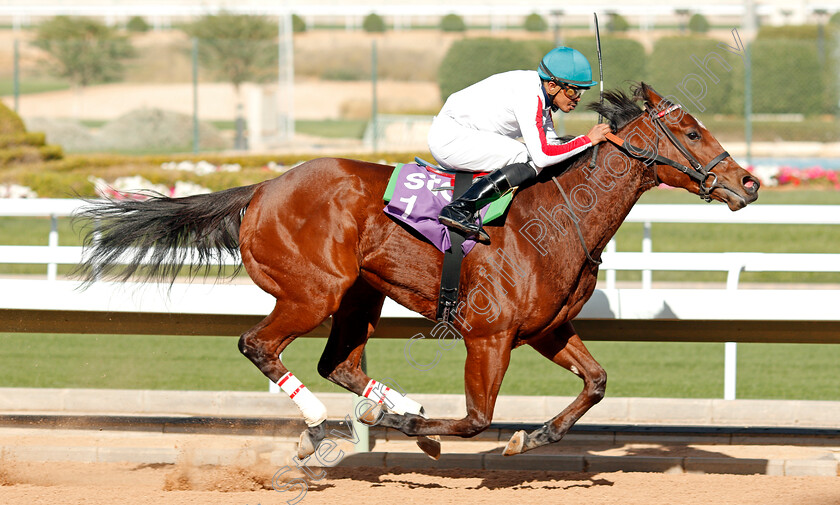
[698, 172]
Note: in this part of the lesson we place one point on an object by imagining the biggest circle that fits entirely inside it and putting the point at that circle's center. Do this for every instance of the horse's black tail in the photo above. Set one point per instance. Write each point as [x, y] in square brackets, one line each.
[156, 238]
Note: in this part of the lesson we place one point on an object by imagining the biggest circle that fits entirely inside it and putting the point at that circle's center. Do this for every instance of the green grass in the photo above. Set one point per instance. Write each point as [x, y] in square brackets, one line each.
[667, 370]
[342, 128]
[28, 86]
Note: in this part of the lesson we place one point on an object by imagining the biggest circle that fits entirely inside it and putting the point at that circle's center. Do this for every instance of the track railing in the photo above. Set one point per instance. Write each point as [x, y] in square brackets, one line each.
[621, 314]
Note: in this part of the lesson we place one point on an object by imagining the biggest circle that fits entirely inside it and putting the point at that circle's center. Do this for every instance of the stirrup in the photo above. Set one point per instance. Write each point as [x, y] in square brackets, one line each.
[478, 234]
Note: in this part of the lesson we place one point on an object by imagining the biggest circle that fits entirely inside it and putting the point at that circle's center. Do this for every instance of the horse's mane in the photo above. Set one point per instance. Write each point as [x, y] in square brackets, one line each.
[618, 108]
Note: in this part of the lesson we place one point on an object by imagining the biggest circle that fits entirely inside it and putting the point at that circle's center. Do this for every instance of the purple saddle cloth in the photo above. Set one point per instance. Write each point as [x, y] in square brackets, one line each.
[412, 199]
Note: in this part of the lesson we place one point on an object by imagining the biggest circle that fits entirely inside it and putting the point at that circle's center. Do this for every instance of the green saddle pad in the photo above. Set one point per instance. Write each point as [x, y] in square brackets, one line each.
[496, 208]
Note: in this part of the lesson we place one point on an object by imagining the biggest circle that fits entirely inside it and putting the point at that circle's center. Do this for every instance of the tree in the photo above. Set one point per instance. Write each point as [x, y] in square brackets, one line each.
[236, 47]
[535, 23]
[373, 23]
[453, 23]
[83, 50]
[698, 24]
[298, 24]
[617, 23]
[137, 24]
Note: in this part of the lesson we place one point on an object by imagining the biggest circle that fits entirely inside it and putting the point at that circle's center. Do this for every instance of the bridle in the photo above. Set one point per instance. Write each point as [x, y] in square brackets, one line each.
[698, 172]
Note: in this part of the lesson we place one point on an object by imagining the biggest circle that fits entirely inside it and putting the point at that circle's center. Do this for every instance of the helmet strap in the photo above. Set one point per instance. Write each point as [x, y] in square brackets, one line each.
[554, 108]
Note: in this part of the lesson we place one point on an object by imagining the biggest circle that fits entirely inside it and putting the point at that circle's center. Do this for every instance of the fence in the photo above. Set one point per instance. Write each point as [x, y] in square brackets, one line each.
[791, 81]
[630, 314]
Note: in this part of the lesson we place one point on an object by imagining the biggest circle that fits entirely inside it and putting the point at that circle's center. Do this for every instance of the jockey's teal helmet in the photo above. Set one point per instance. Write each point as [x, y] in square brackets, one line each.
[568, 66]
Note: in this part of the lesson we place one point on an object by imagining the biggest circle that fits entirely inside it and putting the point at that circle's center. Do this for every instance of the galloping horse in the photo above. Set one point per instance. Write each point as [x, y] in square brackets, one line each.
[317, 240]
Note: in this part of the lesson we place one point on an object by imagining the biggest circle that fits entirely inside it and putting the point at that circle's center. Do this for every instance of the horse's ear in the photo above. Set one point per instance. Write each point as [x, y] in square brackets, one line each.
[649, 95]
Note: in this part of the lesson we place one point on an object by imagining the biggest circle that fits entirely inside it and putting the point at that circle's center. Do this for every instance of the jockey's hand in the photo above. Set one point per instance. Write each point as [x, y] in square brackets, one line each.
[598, 133]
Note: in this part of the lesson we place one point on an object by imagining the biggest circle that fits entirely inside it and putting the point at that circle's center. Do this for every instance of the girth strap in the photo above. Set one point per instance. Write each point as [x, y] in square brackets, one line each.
[450, 276]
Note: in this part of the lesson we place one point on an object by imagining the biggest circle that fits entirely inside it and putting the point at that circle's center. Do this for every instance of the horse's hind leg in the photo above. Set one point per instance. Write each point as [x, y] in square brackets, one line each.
[263, 344]
[341, 361]
[565, 348]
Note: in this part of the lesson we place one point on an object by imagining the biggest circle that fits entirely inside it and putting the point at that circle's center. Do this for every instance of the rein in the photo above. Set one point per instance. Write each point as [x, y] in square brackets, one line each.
[575, 222]
[698, 172]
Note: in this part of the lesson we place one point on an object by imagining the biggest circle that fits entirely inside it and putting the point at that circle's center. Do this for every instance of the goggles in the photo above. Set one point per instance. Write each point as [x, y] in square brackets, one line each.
[572, 93]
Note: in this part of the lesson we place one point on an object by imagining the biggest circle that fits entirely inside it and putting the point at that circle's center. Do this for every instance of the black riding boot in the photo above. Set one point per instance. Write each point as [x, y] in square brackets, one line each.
[461, 214]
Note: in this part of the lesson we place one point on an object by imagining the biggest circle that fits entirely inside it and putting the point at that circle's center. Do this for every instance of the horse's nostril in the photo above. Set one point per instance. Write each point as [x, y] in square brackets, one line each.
[751, 184]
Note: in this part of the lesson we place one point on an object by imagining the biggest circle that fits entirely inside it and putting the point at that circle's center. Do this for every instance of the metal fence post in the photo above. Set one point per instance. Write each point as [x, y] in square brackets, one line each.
[196, 138]
[374, 106]
[647, 247]
[16, 79]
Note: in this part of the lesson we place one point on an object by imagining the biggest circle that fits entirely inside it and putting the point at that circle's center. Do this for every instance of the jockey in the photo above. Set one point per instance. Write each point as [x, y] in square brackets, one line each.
[478, 127]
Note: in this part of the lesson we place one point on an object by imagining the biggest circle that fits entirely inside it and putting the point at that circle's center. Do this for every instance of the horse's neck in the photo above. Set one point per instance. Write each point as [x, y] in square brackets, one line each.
[602, 197]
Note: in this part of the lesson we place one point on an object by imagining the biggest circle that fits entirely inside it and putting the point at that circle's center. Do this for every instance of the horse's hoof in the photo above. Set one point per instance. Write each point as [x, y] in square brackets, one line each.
[309, 440]
[430, 445]
[372, 415]
[516, 444]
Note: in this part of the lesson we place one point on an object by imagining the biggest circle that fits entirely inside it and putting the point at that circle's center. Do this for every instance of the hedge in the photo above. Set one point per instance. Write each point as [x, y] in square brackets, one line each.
[672, 71]
[471, 60]
[787, 77]
[805, 42]
[29, 154]
[624, 63]
[69, 177]
[21, 139]
[10, 123]
[789, 64]
[804, 32]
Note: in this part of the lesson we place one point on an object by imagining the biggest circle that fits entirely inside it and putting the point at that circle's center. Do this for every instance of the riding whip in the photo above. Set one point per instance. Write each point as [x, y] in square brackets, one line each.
[601, 82]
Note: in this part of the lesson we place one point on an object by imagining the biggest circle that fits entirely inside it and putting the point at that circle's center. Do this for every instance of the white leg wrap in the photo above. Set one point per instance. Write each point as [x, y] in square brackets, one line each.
[396, 402]
[314, 412]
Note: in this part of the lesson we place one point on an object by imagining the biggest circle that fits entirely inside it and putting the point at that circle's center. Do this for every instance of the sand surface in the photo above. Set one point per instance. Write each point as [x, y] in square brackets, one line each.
[109, 483]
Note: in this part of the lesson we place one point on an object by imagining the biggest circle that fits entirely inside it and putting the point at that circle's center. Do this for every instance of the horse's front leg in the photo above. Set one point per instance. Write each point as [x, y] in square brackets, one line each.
[564, 347]
[487, 361]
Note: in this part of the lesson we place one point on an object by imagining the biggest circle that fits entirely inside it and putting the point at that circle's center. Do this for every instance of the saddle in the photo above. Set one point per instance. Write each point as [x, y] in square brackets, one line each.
[415, 195]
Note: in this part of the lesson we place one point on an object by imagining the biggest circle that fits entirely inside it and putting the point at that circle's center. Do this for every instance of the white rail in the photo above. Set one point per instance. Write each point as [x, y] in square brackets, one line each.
[646, 304]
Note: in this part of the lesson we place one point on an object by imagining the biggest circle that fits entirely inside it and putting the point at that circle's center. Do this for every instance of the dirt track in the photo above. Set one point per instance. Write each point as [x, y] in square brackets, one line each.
[110, 483]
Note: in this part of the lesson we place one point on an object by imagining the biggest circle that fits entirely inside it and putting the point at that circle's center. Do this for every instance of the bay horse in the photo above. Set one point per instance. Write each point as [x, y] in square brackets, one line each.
[317, 240]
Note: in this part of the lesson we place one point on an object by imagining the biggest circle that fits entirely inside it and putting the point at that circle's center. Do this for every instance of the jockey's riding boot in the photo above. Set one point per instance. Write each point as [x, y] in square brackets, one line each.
[461, 214]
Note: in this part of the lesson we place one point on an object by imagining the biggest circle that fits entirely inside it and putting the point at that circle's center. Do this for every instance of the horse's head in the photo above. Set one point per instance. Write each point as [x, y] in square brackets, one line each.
[681, 150]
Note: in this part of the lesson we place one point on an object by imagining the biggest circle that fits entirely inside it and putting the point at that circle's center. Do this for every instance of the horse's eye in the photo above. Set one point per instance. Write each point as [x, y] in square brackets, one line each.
[693, 136]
